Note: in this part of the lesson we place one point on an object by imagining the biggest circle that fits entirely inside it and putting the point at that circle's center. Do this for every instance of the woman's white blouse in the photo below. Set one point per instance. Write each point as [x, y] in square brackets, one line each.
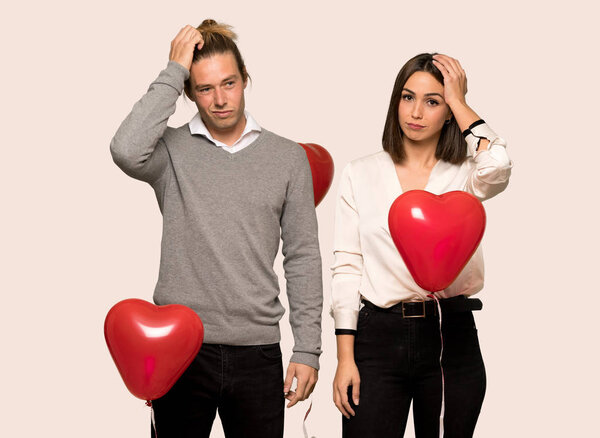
[367, 263]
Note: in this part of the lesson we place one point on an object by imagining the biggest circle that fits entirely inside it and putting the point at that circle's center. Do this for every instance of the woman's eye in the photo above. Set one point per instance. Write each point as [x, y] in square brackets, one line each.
[433, 102]
[407, 97]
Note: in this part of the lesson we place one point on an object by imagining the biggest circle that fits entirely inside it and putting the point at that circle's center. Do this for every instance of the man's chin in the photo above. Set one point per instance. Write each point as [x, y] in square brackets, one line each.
[224, 125]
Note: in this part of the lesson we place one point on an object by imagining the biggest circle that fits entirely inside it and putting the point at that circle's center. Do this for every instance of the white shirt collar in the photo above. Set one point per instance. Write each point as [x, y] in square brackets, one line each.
[197, 126]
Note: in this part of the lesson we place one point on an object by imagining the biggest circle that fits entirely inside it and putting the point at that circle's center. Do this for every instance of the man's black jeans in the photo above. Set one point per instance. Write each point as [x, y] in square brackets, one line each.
[245, 384]
[398, 361]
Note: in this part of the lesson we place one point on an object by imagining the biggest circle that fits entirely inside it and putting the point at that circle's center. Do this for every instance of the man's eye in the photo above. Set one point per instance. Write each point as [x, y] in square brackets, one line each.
[230, 83]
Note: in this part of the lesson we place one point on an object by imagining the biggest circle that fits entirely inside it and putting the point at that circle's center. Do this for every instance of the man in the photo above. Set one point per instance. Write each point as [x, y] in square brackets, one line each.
[227, 189]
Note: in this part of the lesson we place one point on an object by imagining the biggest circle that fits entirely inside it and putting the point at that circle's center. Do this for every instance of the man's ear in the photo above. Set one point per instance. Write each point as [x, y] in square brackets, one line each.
[186, 89]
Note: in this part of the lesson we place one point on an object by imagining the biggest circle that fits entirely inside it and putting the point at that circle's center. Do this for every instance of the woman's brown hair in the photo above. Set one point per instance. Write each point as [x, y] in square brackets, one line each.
[218, 38]
[451, 147]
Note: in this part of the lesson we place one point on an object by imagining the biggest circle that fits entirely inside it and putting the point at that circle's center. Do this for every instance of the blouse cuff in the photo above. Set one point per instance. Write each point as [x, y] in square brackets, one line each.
[476, 132]
[476, 123]
[345, 332]
[345, 319]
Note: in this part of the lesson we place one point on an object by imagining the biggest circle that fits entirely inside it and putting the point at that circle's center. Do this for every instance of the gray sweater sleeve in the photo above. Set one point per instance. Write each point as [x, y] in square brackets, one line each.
[137, 147]
[302, 265]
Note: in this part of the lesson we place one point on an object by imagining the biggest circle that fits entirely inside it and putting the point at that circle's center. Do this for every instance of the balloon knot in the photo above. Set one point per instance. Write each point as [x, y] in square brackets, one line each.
[149, 403]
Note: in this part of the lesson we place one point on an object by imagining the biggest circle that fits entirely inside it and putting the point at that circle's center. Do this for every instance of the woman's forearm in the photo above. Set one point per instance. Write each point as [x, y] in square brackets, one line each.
[345, 348]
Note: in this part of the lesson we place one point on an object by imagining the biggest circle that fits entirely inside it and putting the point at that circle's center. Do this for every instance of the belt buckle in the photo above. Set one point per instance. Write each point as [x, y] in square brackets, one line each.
[413, 316]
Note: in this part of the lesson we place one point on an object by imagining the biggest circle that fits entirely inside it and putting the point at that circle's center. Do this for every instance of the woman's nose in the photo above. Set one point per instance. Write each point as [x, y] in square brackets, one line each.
[417, 111]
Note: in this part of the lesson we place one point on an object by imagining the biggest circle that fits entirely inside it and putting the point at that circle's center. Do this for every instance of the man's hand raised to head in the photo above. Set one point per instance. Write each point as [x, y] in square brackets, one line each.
[306, 379]
[182, 46]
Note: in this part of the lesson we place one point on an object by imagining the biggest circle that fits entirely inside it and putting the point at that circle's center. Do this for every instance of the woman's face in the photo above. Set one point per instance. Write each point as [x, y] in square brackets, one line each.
[422, 110]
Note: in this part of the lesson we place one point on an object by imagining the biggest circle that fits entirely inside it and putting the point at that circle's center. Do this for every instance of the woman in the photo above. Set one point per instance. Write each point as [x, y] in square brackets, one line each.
[387, 329]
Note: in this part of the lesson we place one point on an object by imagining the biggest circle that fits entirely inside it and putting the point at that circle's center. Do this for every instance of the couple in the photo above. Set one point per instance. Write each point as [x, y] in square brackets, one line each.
[229, 189]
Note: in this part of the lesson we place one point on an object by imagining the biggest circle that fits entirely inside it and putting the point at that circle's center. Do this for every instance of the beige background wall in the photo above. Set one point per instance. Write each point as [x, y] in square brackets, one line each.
[78, 235]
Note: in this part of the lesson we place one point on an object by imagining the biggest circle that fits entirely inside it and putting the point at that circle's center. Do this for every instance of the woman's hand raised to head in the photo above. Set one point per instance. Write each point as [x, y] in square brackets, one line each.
[455, 79]
[455, 88]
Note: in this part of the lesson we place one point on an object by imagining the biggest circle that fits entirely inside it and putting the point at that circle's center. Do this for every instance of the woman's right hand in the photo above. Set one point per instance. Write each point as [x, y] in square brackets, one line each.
[346, 374]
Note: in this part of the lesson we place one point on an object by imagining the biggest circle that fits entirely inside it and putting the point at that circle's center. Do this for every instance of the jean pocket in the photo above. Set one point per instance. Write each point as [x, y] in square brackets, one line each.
[363, 318]
[270, 351]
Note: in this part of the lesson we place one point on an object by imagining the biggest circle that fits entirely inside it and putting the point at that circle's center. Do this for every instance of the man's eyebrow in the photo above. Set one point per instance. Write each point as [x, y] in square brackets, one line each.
[229, 78]
[427, 94]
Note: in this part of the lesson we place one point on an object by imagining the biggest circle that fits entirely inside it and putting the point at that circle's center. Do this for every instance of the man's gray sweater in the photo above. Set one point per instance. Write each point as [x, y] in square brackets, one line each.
[223, 215]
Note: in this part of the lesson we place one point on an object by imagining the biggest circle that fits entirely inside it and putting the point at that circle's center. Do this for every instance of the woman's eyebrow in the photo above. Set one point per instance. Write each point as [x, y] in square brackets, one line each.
[427, 94]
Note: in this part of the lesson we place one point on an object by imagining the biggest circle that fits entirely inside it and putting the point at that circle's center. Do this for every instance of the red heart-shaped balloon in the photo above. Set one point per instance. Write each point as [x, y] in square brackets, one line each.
[152, 345]
[321, 166]
[436, 235]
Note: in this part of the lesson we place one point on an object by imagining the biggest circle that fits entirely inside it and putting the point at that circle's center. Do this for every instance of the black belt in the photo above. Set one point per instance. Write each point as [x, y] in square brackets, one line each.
[422, 309]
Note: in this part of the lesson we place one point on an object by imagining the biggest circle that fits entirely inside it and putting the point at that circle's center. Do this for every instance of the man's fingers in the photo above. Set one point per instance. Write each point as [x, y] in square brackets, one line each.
[301, 388]
[183, 33]
[310, 388]
[293, 399]
[289, 377]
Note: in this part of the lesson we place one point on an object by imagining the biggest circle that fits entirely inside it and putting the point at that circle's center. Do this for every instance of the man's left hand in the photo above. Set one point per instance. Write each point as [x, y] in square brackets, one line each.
[306, 379]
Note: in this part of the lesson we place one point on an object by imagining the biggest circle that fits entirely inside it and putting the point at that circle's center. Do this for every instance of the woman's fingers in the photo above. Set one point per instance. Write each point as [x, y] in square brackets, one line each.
[343, 389]
[337, 400]
[346, 403]
[449, 64]
[355, 392]
[455, 78]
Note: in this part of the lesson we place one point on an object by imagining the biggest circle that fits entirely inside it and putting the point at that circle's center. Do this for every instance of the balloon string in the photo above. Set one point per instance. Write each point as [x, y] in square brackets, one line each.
[304, 429]
[443, 407]
[149, 404]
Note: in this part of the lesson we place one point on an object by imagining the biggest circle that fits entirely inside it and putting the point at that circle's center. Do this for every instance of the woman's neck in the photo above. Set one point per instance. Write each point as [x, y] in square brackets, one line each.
[420, 155]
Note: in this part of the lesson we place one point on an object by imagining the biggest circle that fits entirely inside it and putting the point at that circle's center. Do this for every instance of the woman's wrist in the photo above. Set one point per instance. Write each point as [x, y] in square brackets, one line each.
[346, 358]
[463, 114]
[458, 105]
[345, 348]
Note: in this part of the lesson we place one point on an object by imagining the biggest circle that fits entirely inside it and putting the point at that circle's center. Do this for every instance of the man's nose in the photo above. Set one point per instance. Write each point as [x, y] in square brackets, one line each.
[220, 97]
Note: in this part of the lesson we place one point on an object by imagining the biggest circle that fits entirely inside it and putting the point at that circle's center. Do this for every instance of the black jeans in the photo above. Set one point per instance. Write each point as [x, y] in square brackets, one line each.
[245, 383]
[398, 361]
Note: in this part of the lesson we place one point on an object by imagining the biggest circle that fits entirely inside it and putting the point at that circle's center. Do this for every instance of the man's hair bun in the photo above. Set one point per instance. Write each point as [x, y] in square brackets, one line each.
[210, 27]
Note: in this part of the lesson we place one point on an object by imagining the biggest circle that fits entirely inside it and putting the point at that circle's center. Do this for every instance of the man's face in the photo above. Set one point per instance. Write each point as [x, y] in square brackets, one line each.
[217, 88]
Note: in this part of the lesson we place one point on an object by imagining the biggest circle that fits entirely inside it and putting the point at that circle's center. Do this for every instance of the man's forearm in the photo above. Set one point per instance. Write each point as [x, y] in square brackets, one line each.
[134, 146]
[302, 265]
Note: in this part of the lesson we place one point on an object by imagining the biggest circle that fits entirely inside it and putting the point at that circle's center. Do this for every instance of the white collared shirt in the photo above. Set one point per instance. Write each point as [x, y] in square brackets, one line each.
[251, 133]
[367, 264]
